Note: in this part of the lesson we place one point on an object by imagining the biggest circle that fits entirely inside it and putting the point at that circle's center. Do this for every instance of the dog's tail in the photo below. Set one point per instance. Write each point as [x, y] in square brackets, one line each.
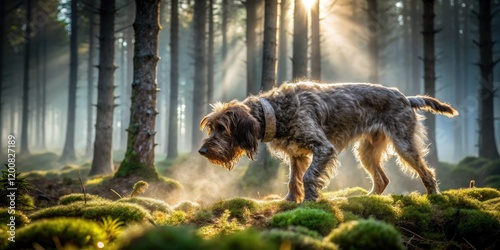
[433, 105]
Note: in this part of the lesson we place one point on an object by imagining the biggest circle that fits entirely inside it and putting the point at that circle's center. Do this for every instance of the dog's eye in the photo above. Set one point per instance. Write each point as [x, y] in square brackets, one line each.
[220, 128]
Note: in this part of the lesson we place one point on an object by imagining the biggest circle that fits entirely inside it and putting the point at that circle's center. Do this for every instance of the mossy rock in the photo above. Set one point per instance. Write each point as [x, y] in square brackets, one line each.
[187, 206]
[71, 198]
[162, 237]
[240, 208]
[20, 218]
[96, 210]
[314, 219]
[291, 239]
[366, 235]
[480, 194]
[373, 206]
[244, 240]
[148, 203]
[72, 233]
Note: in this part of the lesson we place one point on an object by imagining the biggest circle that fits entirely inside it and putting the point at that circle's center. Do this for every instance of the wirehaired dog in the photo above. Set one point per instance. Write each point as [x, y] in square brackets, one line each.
[308, 124]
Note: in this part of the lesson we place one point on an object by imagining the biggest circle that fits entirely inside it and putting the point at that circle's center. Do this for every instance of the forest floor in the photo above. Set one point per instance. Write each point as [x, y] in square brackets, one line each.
[133, 214]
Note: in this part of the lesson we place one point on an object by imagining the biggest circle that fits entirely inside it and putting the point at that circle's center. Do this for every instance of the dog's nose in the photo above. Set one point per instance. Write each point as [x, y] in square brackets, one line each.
[202, 151]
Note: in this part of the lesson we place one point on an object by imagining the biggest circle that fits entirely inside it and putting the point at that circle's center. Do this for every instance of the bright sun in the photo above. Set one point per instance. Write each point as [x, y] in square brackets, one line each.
[308, 3]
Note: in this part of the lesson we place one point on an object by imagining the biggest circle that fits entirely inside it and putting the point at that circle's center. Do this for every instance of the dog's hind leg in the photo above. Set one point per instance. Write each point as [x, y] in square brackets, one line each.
[298, 166]
[370, 153]
[411, 148]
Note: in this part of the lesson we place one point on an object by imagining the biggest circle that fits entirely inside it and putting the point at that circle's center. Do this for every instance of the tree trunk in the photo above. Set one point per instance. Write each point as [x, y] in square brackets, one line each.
[407, 46]
[2, 35]
[283, 46]
[44, 90]
[68, 154]
[299, 41]
[38, 94]
[457, 130]
[374, 27]
[102, 162]
[174, 80]
[90, 83]
[139, 157]
[430, 75]
[487, 145]
[199, 92]
[210, 55]
[251, 42]
[415, 34]
[225, 17]
[315, 43]
[26, 79]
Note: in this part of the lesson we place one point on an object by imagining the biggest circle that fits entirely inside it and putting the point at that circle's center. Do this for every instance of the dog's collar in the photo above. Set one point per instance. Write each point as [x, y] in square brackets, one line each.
[269, 119]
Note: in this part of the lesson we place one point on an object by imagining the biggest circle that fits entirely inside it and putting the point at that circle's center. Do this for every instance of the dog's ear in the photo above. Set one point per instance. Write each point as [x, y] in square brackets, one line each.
[246, 131]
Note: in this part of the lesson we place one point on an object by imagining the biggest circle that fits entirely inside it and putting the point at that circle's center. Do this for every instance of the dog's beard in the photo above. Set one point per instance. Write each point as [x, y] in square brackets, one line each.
[226, 159]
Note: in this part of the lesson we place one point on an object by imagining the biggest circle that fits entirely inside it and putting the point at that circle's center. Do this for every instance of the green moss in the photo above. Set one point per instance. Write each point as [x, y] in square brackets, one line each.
[202, 217]
[366, 235]
[378, 207]
[4, 241]
[131, 166]
[481, 229]
[69, 233]
[480, 194]
[70, 198]
[139, 188]
[20, 217]
[221, 226]
[313, 219]
[290, 239]
[128, 213]
[449, 200]
[272, 207]
[493, 204]
[187, 206]
[244, 240]
[170, 219]
[240, 208]
[148, 203]
[163, 237]
[347, 192]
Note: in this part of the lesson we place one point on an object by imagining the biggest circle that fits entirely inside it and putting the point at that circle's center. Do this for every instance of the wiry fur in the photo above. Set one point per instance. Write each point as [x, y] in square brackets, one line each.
[314, 122]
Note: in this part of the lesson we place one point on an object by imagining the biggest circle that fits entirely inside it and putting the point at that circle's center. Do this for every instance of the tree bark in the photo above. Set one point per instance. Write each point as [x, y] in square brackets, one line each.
[174, 80]
[90, 83]
[68, 154]
[251, 43]
[315, 42]
[430, 74]
[269, 61]
[44, 91]
[282, 43]
[415, 34]
[2, 36]
[139, 157]
[374, 31]
[102, 162]
[487, 144]
[199, 92]
[225, 17]
[407, 46]
[26, 79]
[457, 130]
[300, 35]
[210, 55]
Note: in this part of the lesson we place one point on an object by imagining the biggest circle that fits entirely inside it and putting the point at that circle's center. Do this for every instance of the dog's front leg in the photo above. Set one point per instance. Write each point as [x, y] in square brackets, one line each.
[298, 166]
[320, 171]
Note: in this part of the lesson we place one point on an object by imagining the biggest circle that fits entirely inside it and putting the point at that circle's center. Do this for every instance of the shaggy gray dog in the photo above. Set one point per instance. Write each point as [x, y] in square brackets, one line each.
[308, 124]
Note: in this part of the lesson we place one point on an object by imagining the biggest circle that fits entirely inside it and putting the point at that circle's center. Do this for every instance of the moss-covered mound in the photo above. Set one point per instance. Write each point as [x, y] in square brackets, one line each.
[163, 237]
[20, 218]
[313, 219]
[71, 198]
[68, 233]
[127, 213]
[378, 207]
[240, 208]
[348, 192]
[366, 235]
[187, 206]
[148, 203]
[244, 240]
[298, 239]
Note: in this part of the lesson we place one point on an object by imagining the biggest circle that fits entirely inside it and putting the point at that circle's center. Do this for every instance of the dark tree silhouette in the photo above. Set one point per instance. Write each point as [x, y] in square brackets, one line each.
[299, 62]
[26, 81]
[90, 82]
[68, 154]
[373, 46]
[139, 157]
[430, 74]
[210, 55]
[102, 162]
[315, 42]
[251, 7]
[282, 43]
[174, 80]
[2, 35]
[415, 44]
[224, 24]
[487, 145]
[199, 91]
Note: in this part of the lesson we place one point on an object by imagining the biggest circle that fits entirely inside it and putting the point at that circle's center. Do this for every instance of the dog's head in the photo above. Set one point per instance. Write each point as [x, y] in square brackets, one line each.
[232, 132]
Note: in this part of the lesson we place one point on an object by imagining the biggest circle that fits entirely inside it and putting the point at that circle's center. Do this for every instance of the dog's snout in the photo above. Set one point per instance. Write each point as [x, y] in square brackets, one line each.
[202, 150]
